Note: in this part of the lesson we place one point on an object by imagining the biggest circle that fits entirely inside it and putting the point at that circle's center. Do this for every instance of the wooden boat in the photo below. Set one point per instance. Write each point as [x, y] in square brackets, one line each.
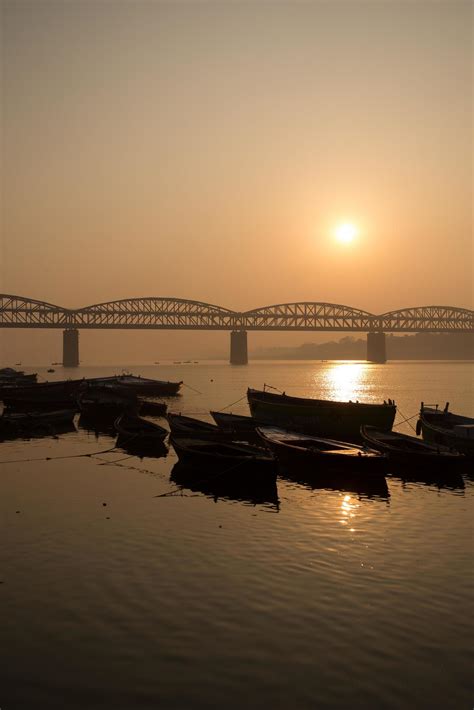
[235, 423]
[147, 407]
[106, 402]
[20, 423]
[447, 429]
[44, 395]
[188, 426]
[140, 433]
[141, 385]
[294, 449]
[242, 462]
[410, 451]
[319, 417]
[9, 376]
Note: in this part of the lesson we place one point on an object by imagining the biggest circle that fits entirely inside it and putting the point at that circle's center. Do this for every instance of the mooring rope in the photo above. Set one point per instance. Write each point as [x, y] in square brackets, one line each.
[191, 388]
[232, 403]
[407, 419]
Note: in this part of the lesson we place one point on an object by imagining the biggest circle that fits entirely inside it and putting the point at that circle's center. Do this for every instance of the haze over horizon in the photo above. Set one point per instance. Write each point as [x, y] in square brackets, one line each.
[210, 150]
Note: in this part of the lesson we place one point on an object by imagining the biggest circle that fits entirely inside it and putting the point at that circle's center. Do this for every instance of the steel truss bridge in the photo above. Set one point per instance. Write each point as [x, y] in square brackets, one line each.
[183, 314]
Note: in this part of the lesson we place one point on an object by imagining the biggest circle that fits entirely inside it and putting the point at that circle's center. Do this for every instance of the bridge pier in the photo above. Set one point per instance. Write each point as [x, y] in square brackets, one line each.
[376, 347]
[70, 347]
[238, 347]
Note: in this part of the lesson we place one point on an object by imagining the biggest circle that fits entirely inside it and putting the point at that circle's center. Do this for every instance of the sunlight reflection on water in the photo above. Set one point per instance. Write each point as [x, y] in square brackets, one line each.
[346, 381]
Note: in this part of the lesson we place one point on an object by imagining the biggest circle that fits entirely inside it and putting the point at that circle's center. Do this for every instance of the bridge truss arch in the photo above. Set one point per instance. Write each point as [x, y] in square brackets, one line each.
[308, 315]
[428, 318]
[22, 312]
[155, 312]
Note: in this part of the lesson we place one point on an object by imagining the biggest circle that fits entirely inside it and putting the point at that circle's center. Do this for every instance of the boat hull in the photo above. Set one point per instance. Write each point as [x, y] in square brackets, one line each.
[412, 453]
[332, 420]
[221, 460]
[437, 427]
[320, 457]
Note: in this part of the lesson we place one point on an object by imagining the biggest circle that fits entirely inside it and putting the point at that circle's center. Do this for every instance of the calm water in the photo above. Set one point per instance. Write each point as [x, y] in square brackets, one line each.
[326, 599]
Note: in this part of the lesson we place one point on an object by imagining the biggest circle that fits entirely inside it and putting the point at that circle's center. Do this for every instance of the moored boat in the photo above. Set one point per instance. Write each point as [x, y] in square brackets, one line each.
[10, 376]
[43, 395]
[141, 385]
[138, 433]
[293, 449]
[410, 451]
[239, 425]
[248, 464]
[105, 402]
[14, 424]
[440, 426]
[188, 426]
[148, 407]
[326, 418]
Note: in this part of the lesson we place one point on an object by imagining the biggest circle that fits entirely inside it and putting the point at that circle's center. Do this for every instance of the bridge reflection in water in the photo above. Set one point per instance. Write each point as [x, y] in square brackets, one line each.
[182, 314]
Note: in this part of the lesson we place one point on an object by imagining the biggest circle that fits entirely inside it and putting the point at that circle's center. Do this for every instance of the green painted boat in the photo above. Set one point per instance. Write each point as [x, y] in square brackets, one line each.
[320, 417]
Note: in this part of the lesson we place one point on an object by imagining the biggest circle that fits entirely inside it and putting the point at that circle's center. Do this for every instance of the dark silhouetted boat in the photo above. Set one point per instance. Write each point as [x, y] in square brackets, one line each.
[240, 426]
[9, 376]
[142, 385]
[188, 426]
[13, 424]
[248, 464]
[106, 402]
[140, 435]
[409, 450]
[148, 407]
[334, 420]
[443, 427]
[44, 395]
[323, 455]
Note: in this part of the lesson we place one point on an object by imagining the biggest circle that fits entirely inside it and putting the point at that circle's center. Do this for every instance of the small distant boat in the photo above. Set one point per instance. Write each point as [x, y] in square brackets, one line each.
[443, 427]
[240, 462]
[188, 426]
[294, 450]
[409, 450]
[50, 369]
[319, 417]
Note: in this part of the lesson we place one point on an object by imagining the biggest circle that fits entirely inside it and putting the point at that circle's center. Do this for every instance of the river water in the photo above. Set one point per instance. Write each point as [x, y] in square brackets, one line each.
[113, 597]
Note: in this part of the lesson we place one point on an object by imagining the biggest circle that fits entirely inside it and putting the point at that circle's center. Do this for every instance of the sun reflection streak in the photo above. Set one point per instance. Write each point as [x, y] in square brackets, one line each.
[348, 508]
[346, 381]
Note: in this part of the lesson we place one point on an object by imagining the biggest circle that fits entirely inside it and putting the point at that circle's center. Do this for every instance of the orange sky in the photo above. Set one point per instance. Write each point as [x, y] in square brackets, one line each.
[208, 150]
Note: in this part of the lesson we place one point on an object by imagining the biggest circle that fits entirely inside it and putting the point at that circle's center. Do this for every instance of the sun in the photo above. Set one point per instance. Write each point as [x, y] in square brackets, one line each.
[346, 233]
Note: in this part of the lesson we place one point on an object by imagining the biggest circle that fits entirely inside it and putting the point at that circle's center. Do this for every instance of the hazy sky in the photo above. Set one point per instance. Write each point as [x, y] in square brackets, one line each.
[208, 150]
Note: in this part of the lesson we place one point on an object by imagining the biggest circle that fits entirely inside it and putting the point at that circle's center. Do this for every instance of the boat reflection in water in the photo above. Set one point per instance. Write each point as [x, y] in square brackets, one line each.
[211, 484]
[328, 480]
[157, 450]
[97, 426]
[437, 478]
